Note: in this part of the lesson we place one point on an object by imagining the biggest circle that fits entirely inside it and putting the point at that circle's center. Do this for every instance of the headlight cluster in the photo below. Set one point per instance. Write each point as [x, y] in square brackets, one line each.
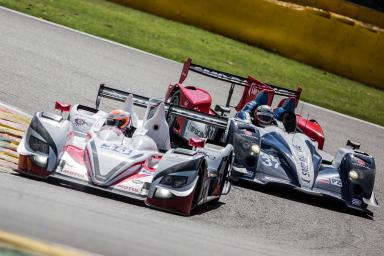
[255, 149]
[174, 181]
[38, 145]
[353, 175]
[245, 146]
[163, 193]
[40, 161]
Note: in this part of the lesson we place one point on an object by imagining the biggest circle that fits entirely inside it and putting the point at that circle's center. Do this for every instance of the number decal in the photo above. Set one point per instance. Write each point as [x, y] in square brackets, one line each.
[117, 148]
[270, 160]
[336, 182]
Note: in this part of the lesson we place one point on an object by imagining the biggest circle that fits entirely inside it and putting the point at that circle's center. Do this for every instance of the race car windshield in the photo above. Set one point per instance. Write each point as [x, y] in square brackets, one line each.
[116, 123]
[110, 133]
[152, 106]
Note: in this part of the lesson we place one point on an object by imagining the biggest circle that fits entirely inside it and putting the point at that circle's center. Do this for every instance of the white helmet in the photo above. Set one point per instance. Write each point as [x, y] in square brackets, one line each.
[263, 115]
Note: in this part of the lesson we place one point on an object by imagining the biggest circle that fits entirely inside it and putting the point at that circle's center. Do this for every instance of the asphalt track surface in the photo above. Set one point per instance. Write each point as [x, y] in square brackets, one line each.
[40, 63]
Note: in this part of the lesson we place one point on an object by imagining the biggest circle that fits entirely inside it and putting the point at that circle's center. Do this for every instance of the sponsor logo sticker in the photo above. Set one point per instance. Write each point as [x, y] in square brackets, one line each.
[79, 122]
[360, 162]
[145, 171]
[325, 181]
[336, 182]
[356, 202]
[117, 148]
[139, 182]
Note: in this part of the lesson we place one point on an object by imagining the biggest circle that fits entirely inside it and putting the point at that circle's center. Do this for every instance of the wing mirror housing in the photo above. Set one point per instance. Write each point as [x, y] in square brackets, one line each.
[196, 142]
[63, 107]
[353, 145]
[222, 109]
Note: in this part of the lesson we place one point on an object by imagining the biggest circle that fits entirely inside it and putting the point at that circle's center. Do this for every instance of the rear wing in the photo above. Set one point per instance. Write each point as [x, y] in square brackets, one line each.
[141, 101]
[250, 84]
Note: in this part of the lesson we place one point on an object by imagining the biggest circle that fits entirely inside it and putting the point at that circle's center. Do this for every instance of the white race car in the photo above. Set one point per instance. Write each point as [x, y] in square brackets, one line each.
[82, 149]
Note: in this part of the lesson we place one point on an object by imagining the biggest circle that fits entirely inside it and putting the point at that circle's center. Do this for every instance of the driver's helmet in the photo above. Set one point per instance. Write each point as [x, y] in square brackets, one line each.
[120, 119]
[263, 115]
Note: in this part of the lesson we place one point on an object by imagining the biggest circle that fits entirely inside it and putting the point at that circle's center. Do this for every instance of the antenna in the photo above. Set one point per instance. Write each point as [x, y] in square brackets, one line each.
[301, 110]
[306, 121]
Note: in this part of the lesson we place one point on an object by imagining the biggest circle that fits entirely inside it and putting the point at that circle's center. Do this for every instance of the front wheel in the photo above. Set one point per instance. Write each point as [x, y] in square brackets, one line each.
[225, 178]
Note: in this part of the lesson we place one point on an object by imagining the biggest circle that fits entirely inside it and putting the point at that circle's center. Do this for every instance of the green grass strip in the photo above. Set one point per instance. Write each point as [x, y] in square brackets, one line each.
[177, 41]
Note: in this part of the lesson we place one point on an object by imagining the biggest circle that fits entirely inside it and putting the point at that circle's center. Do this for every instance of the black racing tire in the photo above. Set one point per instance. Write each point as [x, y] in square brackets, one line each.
[313, 121]
[200, 182]
[174, 100]
[226, 176]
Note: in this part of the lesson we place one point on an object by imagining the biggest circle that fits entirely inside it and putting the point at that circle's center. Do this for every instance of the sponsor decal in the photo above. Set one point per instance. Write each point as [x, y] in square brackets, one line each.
[325, 181]
[117, 148]
[139, 182]
[303, 162]
[68, 171]
[145, 171]
[248, 133]
[79, 122]
[360, 162]
[128, 188]
[200, 130]
[174, 158]
[195, 130]
[207, 155]
[219, 75]
[254, 89]
[333, 181]
[356, 202]
[336, 182]
[248, 136]
[250, 172]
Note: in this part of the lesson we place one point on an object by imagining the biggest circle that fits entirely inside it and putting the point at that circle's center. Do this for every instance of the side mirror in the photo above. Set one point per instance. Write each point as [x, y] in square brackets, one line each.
[196, 142]
[353, 145]
[289, 121]
[97, 102]
[222, 109]
[63, 107]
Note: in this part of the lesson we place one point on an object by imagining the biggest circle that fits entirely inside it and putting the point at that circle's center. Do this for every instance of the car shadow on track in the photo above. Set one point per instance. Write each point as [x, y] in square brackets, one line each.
[201, 209]
[287, 192]
[79, 187]
[94, 191]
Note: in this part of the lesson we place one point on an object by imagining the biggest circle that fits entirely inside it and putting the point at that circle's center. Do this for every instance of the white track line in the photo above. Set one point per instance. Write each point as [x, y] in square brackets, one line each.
[160, 57]
[86, 34]
[344, 115]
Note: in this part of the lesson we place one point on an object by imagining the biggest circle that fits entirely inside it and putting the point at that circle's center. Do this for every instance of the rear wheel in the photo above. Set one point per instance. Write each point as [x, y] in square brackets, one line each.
[174, 100]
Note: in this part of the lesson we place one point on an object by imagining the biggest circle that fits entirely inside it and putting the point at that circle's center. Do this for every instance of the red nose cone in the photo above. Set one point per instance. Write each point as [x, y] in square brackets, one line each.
[196, 142]
[62, 106]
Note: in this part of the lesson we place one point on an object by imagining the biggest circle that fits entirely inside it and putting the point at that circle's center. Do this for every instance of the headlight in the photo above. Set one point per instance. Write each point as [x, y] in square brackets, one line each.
[163, 193]
[353, 175]
[243, 142]
[38, 145]
[255, 149]
[40, 160]
[174, 181]
[245, 145]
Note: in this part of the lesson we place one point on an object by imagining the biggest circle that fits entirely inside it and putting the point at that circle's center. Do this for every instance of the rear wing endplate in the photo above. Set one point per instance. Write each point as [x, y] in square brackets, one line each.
[141, 101]
[250, 83]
